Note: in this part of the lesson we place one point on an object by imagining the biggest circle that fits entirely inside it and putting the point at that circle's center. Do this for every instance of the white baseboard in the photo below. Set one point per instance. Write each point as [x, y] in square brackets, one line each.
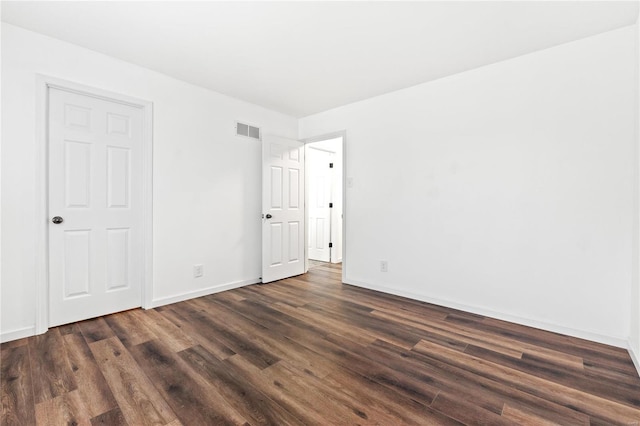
[20, 333]
[635, 357]
[594, 337]
[31, 331]
[203, 292]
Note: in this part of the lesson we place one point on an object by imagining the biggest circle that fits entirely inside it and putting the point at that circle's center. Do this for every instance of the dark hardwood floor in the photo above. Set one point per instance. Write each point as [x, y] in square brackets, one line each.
[310, 350]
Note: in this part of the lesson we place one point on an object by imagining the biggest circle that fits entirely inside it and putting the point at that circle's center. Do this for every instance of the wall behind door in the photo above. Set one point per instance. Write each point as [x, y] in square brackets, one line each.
[206, 191]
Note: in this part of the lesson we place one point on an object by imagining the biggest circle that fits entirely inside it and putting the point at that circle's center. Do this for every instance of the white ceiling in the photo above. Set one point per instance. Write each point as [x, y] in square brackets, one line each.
[301, 58]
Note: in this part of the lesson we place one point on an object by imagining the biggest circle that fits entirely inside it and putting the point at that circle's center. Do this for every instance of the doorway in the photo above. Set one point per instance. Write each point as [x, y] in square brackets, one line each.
[324, 182]
[94, 240]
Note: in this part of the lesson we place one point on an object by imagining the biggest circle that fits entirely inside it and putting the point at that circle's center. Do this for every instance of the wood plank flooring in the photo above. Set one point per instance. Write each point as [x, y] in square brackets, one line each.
[310, 350]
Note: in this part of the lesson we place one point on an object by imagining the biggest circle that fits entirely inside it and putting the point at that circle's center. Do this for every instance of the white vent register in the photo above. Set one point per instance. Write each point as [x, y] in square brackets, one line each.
[247, 131]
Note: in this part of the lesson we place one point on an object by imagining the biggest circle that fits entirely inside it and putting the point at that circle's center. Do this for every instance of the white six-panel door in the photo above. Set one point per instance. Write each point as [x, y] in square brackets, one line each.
[320, 180]
[283, 229]
[95, 182]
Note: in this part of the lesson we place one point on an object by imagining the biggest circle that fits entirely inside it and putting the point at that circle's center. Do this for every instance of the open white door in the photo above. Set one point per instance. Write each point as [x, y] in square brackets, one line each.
[319, 167]
[282, 208]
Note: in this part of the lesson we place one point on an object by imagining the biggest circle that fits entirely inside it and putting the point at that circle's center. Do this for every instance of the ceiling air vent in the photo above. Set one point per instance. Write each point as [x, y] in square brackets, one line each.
[247, 131]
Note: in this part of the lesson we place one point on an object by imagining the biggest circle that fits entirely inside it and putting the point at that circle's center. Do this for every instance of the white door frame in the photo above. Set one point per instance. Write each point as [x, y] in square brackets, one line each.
[43, 84]
[339, 134]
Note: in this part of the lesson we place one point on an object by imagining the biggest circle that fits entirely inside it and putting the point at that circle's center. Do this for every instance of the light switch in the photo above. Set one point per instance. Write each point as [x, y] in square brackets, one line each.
[349, 182]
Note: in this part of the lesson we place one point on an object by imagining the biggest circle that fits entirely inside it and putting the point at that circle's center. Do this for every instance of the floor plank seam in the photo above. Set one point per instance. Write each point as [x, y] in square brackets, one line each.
[312, 350]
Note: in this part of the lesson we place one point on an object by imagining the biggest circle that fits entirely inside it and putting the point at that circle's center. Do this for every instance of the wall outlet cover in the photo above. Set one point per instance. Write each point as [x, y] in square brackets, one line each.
[198, 271]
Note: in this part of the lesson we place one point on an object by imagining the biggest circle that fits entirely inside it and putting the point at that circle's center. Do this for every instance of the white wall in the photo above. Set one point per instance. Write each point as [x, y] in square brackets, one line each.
[634, 335]
[505, 190]
[0, 190]
[206, 180]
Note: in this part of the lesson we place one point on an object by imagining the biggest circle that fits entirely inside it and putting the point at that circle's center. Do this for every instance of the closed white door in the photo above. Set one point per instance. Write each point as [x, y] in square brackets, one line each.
[282, 208]
[95, 212]
[320, 180]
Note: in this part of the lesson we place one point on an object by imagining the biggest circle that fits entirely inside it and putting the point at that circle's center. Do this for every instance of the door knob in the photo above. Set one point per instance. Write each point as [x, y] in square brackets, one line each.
[268, 216]
[57, 220]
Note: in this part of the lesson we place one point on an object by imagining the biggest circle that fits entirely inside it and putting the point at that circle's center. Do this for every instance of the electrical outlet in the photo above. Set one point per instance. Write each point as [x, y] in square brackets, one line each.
[198, 271]
[384, 266]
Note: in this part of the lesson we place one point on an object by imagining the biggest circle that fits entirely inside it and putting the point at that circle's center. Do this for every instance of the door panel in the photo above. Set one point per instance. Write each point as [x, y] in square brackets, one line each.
[283, 209]
[294, 188]
[276, 243]
[118, 169]
[95, 184]
[77, 173]
[77, 266]
[276, 188]
[294, 239]
[117, 258]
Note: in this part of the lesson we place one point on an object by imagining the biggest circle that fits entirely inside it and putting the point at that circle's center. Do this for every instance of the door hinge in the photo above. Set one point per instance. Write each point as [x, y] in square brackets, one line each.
[330, 205]
[331, 165]
[330, 245]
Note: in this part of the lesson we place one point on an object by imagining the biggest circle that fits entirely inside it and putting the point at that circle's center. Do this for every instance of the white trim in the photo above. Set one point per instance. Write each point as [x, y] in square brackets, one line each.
[339, 134]
[203, 292]
[41, 212]
[635, 276]
[20, 333]
[147, 205]
[43, 84]
[635, 357]
[581, 334]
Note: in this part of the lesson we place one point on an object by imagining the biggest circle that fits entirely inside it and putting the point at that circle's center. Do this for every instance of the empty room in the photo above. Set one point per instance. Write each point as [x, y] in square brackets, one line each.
[320, 212]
